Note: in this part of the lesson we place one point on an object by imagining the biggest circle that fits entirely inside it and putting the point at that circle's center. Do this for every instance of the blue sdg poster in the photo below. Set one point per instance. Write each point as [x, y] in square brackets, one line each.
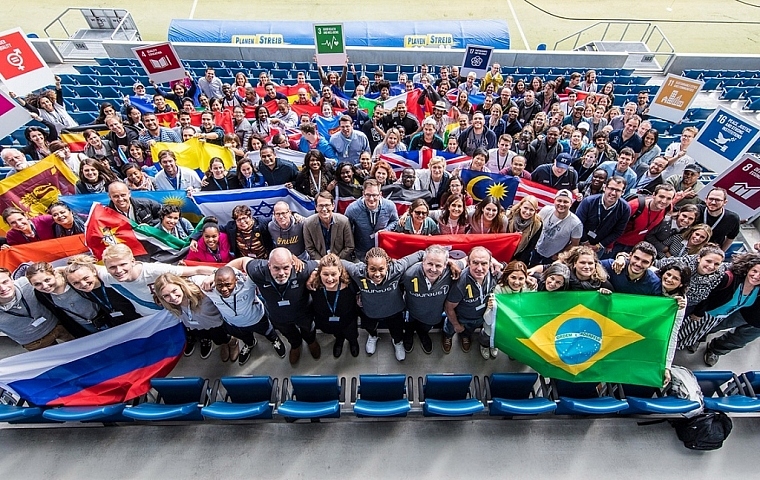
[723, 139]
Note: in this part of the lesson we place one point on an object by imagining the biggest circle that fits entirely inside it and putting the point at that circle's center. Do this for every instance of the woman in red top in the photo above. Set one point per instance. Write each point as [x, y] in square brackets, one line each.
[27, 230]
[213, 246]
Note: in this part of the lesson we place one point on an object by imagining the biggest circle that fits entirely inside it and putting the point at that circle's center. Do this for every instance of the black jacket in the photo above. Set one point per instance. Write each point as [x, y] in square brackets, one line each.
[146, 210]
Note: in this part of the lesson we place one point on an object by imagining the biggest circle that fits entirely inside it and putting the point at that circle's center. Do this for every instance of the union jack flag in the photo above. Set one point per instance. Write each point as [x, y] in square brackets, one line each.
[418, 159]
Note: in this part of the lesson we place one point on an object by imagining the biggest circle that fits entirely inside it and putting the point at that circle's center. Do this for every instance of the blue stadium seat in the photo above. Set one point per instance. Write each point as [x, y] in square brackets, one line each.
[584, 399]
[639, 80]
[661, 126]
[68, 79]
[102, 413]
[83, 91]
[732, 82]
[121, 62]
[125, 71]
[371, 67]
[267, 65]
[693, 74]
[542, 71]
[313, 397]
[755, 148]
[723, 391]
[18, 135]
[195, 64]
[106, 91]
[732, 93]
[242, 398]
[699, 113]
[407, 68]
[636, 89]
[68, 91]
[383, 395]
[107, 61]
[177, 398]
[279, 74]
[249, 64]
[510, 394]
[650, 400]
[664, 140]
[102, 70]
[285, 65]
[625, 71]
[712, 83]
[621, 89]
[315, 82]
[7, 141]
[751, 82]
[214, 64]
[391, 76]
[301, 66]
[752, 104]
[449, 395]
[677, 129]
[82, 104]
[390, 67]
[84, 69]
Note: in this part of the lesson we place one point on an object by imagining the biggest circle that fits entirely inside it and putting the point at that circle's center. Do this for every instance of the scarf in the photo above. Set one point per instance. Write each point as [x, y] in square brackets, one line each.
[146, 184]
[99, 187]
[528, 228]
[700, 285]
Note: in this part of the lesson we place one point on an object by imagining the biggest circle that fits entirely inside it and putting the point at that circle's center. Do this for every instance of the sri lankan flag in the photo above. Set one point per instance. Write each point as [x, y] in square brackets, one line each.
[587, 336]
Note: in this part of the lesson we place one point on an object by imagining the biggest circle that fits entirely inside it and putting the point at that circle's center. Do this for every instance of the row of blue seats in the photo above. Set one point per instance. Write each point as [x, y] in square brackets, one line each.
[367, 67]
[314, 397]
[124, 83]
[718, 83]
[740, 92]
[698, 74]
[752, 104]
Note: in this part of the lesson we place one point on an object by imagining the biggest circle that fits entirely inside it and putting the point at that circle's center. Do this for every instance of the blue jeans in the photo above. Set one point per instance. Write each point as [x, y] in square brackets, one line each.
[469, 327]
[742, 334]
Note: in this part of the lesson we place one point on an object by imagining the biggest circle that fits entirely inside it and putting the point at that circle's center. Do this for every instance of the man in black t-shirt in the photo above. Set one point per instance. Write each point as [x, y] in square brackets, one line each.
[725, 223]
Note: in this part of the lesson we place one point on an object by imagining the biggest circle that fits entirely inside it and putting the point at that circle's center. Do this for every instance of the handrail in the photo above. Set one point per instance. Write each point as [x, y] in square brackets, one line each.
[120, 26]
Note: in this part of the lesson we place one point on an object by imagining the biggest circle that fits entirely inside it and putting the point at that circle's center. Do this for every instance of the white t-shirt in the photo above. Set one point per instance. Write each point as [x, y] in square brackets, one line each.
[496, 162]
[678, 166]
[140, 290]
[557, 233]
[243, 308]
[186, 179]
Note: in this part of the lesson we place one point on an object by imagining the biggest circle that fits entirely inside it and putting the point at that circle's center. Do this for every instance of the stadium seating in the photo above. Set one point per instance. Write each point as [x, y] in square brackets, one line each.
[723, 392]
[449, 395]
[511, 394]
[177, 399]
[651, 400]
[585, 399]
[242, 398]
[103, 413]
[312, 397]
[385, 395]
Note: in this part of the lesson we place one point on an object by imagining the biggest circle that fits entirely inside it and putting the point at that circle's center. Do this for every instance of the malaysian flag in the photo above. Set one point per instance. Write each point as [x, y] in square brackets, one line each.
[545, 195]
[418, 159]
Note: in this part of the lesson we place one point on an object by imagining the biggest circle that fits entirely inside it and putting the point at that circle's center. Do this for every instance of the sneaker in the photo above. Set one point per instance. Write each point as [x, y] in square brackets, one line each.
[485, 353]
[189, 347]
[206, 347]
[466, 343]
[279, 347]
[315, 350]
[692, 348]
[371, 345]
[711, 358]
[224, 352]
[409, 344]
[245, 354]
[446, 344]
[494, 352]
[400, 352]
[354, 348]
[427, 344]
[234, 350]
[338, 348]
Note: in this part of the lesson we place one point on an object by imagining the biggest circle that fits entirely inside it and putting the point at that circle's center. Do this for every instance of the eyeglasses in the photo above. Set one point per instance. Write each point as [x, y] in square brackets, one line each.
[281, 214]
[326, 206]
[371, 195]
[714, 200]
[422, 213]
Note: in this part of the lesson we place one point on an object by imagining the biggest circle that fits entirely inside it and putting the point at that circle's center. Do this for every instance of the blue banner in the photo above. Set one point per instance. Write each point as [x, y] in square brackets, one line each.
[81, 204]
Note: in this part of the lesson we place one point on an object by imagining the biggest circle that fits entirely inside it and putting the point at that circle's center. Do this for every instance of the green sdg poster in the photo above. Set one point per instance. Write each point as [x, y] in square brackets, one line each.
[331, 44]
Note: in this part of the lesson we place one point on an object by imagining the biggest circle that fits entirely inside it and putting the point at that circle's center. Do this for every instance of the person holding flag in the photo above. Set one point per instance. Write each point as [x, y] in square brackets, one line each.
[174, 177]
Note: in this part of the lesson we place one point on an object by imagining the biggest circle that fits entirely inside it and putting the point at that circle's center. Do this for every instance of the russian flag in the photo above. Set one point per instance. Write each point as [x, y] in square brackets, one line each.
[111, 366]
[261, 200]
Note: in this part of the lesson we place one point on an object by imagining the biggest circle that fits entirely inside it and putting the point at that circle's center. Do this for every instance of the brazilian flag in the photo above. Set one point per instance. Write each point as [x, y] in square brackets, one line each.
[587, 336]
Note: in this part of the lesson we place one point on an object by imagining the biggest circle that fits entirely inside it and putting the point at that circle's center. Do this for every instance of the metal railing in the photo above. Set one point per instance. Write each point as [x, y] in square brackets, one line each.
[645, 32]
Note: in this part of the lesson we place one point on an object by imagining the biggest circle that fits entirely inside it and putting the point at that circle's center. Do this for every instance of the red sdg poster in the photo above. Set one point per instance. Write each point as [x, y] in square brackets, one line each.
[742, 182]
[21, 67]
[161, 62]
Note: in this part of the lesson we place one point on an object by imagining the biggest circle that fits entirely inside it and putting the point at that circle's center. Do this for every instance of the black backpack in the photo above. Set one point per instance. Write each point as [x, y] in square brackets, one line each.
[706, 431]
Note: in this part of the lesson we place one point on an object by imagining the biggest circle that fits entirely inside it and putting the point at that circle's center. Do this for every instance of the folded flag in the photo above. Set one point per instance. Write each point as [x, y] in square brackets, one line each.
[345, 195]
[142, 103]
[34, 188]
[81, 204]
[112, 366]
[421, 159]
[481, 185]
[75, 139]
[327, 126]
[587, 336]
[106, 227]
[403, 197]
[294, 156]
[545, 195]
[474, 99]
[195, 154]
[261, 200]
[51, 251]
[501, 245]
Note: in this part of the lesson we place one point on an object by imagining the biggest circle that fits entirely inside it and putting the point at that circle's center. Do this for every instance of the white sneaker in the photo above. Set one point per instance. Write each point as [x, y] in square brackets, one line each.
[400, 352]
[494, 352]
[484, 353]
[372, 345]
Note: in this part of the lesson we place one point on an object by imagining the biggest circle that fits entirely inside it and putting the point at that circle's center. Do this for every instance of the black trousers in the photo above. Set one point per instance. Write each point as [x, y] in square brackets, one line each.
[298, 332]
[218, 335]
[415, 326]
[395, 324]
[263, 327]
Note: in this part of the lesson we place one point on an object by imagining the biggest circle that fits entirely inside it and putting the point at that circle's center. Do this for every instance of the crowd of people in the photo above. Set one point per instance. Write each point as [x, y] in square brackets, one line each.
[626, 218]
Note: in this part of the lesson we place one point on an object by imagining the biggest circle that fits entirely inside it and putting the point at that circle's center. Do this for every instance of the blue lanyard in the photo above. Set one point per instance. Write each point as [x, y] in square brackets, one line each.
[103, 301]
[334, 306]
[226, 184]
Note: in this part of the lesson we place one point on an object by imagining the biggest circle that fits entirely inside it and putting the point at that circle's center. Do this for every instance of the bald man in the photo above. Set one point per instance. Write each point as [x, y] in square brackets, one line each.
[234, 294]
[140, 210]
[285, 296]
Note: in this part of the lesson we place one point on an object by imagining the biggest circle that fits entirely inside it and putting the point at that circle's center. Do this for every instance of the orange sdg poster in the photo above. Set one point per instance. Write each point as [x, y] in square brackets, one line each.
[674, 98]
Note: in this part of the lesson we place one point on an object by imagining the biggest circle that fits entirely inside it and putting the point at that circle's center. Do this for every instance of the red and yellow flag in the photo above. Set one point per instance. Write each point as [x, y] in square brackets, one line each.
[106, 227]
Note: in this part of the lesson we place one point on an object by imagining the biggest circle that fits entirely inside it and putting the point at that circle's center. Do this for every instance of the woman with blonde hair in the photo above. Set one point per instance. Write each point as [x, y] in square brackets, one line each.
[81, 274]
[689, 242]
[523, 218]
[334, 304]
[196, 311]
[391, 144]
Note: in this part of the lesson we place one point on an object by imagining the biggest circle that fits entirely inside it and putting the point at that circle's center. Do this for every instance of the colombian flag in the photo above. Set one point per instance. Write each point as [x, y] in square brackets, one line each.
[587, 336]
